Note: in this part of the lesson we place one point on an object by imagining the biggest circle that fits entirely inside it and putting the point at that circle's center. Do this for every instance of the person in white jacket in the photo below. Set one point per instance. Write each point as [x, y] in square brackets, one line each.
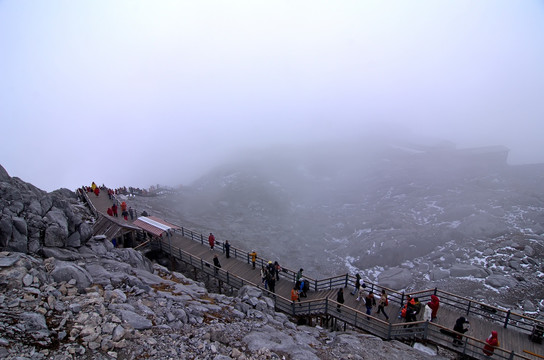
[427, 314]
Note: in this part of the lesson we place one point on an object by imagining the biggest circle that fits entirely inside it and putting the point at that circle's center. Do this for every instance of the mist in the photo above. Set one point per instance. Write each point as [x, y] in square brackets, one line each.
[140, 93]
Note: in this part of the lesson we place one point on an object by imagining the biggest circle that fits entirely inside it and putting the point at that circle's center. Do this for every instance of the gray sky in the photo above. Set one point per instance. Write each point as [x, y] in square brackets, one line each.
[146, 92]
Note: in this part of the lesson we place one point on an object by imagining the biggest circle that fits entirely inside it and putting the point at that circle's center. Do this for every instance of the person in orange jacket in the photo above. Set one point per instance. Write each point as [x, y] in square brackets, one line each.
[294, 295]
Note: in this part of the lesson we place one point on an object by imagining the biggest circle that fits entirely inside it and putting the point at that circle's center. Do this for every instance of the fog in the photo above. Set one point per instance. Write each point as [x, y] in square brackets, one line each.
[140, 92]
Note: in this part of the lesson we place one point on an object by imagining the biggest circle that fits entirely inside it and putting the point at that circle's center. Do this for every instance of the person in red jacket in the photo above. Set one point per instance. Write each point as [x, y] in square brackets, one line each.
[110, 211]
[492, 342]
[434, 304]
[96, 191]
[114, 209]
[211, 241]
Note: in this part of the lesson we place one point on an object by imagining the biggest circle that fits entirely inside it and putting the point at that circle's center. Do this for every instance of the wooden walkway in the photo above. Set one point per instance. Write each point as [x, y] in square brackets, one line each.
[236, 271]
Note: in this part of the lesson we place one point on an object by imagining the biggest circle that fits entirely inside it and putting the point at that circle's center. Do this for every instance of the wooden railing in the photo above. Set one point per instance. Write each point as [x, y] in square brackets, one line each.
[419, 330]
[462, 304]
[88, 201]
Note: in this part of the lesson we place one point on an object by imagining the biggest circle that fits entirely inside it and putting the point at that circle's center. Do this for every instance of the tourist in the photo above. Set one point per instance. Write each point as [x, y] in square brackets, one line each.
[277, 269]
[370, 302]
[434, 304]
[461, 326]
[211, 241]
[253, 256]
[294, 295]
[382, 304]
[339, 298]
[299, 274]
[216, 264]
[491, 343]
[227, 249]
[357, 285]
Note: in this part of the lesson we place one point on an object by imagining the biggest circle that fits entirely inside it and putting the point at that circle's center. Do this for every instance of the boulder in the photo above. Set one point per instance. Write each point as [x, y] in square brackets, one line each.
[395, 278]
[500, 281]
[66, 271]
[439, 274]
[136, 321]
[464, 270]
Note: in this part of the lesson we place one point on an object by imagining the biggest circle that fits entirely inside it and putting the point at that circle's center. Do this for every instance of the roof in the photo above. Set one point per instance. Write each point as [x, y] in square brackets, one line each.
[111, 227]
[153, 225]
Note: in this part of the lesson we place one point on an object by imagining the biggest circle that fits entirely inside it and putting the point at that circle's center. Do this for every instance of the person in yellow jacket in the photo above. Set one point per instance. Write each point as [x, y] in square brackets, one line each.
[253, 255]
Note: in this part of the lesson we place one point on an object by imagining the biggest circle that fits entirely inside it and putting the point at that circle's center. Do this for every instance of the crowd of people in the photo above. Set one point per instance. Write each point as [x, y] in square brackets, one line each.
[412, 311]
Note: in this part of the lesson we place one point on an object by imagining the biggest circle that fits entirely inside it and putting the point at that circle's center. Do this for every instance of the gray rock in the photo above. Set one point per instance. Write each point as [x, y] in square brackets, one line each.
[439, 274]
[61, 254]
[488, 252]
[464, 270]
[9, 260]
[28, 280]
[118, 333]
[529, 306]
[500, 281]
[136, 321]
[395, 278]
[65, 271]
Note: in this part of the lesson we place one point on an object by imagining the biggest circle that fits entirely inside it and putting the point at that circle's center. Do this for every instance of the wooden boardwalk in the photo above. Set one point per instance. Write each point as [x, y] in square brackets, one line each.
[193, 249]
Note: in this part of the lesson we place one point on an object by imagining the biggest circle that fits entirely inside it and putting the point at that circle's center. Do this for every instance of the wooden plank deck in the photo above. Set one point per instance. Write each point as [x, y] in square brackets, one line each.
[510, 338]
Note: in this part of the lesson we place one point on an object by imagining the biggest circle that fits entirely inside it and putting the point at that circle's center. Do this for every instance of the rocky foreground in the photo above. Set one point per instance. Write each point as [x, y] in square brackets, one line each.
[99, 302]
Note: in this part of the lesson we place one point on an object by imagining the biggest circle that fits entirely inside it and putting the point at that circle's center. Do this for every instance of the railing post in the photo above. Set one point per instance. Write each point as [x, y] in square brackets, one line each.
[228, 278]
[326, 306]
[315, 285]
[389, 330]
[201, 239]
[507, 318]
[182, 232]
[425, 330]
[468, 308]
[347, 278]
[435, 290]
[402, 299]
[511, 355]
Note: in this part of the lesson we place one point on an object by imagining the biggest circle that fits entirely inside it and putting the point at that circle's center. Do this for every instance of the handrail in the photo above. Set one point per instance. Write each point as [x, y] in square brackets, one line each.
[510, 318]
[89, 202]
[423, 330]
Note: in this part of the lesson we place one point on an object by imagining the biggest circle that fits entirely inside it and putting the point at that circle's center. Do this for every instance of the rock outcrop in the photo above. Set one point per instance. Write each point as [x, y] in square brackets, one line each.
[31, 218]
[132, 313]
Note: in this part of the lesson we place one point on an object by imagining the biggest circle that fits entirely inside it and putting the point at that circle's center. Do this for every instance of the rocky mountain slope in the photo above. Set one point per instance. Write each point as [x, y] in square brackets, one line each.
[67, 299]
[408, 217]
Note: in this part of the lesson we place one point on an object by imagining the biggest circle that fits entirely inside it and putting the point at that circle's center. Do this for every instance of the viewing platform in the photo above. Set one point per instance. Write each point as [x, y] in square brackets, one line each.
[520, 337]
